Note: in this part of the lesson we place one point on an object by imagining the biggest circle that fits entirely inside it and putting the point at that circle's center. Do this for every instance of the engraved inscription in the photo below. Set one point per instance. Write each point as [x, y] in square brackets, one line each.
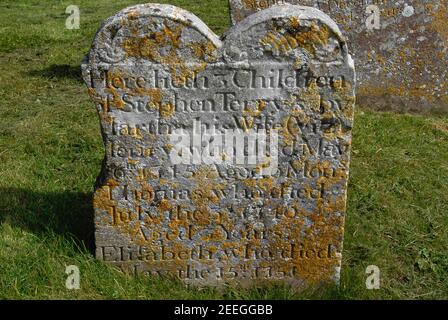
[226, 160]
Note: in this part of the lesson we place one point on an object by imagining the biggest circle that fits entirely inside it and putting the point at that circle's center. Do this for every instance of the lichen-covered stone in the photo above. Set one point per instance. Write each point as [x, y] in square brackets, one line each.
[153, 69]
[400, 47]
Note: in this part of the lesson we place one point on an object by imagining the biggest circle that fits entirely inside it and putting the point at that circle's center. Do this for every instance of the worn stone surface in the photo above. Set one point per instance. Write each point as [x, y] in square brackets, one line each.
[402, 62]
[153, 69]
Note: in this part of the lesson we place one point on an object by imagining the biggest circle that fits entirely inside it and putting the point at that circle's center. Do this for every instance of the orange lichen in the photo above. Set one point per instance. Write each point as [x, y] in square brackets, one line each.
[164, 205]
[202, 50]
[298, 35]
[170, 37]
[133, 15]
[117, 99]
[250, 4]
[257, 111]
[103, 199]
[440, 18]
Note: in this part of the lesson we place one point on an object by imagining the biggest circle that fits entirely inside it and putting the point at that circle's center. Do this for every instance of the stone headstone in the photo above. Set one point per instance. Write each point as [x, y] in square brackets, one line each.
[226, 160]
[400, 47]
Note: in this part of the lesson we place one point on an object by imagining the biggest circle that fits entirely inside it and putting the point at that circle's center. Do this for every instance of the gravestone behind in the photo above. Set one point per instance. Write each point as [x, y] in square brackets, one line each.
[176, 195]
[400, 47]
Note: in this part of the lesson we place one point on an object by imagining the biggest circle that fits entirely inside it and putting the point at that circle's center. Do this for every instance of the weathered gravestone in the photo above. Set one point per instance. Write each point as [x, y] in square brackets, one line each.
[400, 47]
[174, 197]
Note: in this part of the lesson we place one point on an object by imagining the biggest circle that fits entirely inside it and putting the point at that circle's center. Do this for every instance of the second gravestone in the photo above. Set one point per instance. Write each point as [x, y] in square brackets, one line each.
[226, 160]
[400, 47]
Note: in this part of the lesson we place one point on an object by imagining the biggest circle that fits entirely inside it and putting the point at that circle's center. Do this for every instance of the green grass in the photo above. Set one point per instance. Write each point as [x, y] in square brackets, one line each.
[51, 152]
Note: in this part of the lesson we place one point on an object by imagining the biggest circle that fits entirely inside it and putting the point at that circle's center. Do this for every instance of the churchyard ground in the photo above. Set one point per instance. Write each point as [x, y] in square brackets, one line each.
[51, 153]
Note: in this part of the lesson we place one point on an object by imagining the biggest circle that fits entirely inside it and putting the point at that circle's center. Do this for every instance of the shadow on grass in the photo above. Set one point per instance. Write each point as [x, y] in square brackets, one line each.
[59, 71]
[69, 214]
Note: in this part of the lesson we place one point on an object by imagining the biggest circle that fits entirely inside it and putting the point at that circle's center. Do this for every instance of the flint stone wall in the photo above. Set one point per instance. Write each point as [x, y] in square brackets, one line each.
[400, 48]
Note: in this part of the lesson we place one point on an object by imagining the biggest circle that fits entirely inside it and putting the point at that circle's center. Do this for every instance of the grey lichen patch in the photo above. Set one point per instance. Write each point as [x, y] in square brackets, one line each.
[400, 47]
[154, 69]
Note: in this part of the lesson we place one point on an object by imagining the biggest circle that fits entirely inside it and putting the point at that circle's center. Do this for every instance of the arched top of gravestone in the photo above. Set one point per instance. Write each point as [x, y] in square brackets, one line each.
[286, 11]
[138, 31]
[150, 31]
[288, 29]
